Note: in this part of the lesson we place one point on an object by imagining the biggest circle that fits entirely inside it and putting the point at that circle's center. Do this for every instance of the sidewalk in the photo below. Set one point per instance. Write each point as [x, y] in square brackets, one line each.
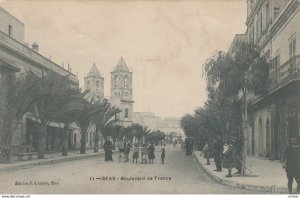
[50, 158]
[269, 176]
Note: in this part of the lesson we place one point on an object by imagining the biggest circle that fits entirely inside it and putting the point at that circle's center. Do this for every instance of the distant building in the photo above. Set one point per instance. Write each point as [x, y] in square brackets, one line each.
[171, 126]
[147, 119]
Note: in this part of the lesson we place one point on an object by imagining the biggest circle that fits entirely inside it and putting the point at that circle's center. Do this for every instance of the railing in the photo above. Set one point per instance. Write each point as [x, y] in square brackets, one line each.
[285, 73]
[29, 53]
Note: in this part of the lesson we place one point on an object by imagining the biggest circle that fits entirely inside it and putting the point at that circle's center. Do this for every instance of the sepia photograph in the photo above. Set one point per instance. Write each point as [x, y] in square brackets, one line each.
[149, 97]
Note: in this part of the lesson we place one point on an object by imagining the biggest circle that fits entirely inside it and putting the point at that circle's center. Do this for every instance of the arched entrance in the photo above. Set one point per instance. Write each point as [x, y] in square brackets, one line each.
[261, 136]
[268, 139]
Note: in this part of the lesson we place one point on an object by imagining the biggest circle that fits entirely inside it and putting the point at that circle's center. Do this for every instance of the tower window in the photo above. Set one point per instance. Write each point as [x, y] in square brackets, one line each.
[125, 81]
[126, 113]
[9, 30]
[88, 84]
[115, 81]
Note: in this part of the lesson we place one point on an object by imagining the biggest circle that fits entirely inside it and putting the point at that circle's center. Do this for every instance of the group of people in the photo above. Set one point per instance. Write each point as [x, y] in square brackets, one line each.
[230, 156]
[124, 148]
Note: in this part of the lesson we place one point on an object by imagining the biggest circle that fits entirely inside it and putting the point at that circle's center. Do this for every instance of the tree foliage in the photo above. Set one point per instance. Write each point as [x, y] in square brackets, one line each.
[228, 76]
[20, 99]
[156, 136]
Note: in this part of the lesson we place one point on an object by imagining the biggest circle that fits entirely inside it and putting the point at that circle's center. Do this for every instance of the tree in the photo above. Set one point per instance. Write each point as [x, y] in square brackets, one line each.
[52, 94]
[68, 114]
[85, 115]
[156, 136]
[227, 75]
[103, 118]
[138, 131]
[189, 125]
[20, 100]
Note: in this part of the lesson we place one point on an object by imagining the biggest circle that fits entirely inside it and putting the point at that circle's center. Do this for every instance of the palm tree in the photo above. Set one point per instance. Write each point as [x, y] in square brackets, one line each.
[52, 95]
[68, 114]
[105, 117]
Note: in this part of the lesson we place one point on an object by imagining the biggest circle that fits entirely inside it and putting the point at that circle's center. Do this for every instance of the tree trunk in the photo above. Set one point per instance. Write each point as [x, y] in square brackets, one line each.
[82, 143]
[96, 144]
[245, 131]
[65, 135]
[42, 140]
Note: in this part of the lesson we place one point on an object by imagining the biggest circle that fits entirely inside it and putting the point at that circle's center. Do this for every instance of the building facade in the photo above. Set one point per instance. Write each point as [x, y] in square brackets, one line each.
[171, 126]
[273, 25]
[15, 57]
[147, 119]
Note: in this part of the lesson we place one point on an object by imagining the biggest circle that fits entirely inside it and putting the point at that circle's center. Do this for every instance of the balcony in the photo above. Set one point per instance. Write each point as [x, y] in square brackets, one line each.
[289, 71]
[284, 80]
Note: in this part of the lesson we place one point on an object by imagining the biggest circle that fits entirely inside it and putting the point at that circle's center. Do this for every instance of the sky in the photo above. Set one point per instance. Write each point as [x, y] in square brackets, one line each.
[164, 43]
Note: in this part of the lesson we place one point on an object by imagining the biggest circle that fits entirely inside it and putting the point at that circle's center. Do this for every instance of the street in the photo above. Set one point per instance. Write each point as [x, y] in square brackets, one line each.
[179, 174]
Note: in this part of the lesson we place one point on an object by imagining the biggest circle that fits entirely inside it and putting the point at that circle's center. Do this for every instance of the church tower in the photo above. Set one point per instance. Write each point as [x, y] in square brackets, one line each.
[94, 82]
[121, 92]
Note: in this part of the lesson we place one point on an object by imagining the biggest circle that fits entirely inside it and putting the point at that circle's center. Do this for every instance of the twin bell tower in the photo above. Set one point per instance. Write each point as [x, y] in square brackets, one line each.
[120, 90]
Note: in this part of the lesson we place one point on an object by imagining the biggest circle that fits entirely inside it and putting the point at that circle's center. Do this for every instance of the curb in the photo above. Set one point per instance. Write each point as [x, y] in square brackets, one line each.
[50, 161]
[272, 189]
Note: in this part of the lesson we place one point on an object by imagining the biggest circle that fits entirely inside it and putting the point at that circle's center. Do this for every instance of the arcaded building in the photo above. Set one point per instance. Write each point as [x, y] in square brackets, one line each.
[274, 118]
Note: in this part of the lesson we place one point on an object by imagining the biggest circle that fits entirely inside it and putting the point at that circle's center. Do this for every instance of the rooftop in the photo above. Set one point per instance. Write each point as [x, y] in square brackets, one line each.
[94, 72]
[121, 66]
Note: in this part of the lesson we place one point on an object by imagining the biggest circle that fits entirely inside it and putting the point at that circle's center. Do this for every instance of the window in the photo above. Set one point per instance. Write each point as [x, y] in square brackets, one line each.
[268, 21]
[97, 85]
[276, 62]
[9, 30]
[292, 48]
[115, 81]
[126, 113]
[125, 81]
[88, 84]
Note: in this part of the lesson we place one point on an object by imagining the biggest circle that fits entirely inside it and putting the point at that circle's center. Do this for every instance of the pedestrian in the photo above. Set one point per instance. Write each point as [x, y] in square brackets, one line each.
[292, 164]
[174, 143]
[206, 152]
[144, 153]
[182, 146]
[218, 152]
[121, 148]
[228, 158]
[127, 151]
[163, 155]
[238, 148]
[151, 154]
[135, 154]
[108, 147]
